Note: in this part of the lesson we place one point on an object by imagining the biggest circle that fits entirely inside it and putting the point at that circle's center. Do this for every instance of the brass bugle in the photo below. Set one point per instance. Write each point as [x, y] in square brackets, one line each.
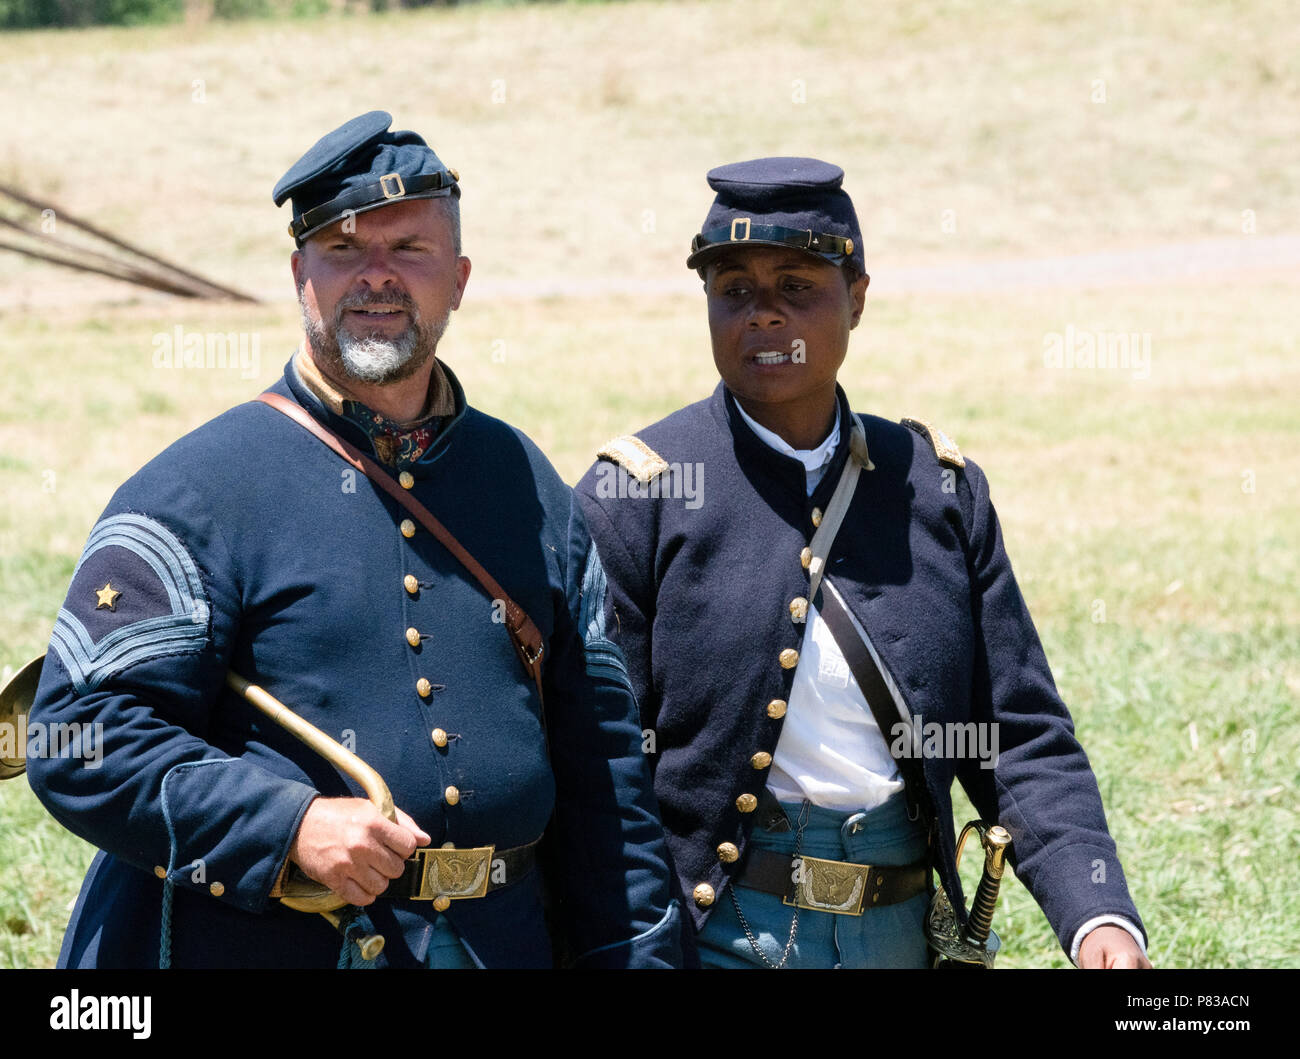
[301, 893]
[16, 699]
[331, 750]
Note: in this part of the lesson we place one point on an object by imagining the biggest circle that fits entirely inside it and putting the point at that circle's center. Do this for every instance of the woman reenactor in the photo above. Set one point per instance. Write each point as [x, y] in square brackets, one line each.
[823, 630]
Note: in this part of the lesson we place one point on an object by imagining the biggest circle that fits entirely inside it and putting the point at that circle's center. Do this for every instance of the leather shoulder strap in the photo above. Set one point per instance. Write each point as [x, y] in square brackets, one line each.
[524, 633]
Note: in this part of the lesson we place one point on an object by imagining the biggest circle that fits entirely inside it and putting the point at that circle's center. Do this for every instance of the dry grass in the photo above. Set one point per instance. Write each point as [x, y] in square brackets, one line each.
[577, 128]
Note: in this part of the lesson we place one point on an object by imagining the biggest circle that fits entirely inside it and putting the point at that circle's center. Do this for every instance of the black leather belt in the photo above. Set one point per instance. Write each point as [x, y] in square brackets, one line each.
[832, 885]
[450, 874]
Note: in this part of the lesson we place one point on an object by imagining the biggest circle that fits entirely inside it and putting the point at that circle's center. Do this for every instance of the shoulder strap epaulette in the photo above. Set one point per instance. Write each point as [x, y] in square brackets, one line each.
[630, 452]
[944, 447]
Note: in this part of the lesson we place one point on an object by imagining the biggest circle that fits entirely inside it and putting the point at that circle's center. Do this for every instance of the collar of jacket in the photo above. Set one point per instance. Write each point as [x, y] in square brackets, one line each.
[347, 429]
[784, 472]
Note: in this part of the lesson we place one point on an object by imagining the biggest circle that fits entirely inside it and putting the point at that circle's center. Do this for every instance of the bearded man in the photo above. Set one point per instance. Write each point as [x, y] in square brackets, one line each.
[251, 547]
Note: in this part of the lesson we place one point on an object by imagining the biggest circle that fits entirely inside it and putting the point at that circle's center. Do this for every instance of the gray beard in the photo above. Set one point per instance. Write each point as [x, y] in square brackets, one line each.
[376, 358]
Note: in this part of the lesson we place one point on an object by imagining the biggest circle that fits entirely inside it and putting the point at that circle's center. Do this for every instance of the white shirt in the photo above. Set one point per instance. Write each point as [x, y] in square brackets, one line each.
[831, 750]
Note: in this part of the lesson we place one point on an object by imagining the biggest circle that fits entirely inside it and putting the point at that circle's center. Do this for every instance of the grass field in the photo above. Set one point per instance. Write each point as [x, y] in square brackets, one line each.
[1151, 511]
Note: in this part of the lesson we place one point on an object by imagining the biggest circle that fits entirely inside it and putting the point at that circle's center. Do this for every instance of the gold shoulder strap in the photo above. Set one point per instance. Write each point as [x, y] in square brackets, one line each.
[944, 447]
[630, 452]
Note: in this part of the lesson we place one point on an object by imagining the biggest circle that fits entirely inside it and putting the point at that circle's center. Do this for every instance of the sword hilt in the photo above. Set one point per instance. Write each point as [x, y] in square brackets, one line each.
[980, 921]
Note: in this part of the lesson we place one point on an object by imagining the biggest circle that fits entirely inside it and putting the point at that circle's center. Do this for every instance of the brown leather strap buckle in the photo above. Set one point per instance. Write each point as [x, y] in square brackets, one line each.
[524, 633]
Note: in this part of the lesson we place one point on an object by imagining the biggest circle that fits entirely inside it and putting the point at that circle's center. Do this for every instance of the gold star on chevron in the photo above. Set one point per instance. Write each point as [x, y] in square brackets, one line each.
[107, 596]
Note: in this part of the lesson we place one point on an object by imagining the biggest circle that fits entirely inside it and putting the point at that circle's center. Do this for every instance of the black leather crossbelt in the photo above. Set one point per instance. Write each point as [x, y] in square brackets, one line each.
[455, 874]
[832, 885]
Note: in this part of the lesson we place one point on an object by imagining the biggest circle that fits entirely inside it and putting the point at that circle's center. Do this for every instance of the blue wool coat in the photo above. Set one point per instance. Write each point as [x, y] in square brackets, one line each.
[248, 545]
[702, 573]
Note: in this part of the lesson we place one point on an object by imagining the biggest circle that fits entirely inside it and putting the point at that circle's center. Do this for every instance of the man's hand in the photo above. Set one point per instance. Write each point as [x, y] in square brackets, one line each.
[1109, 946]
[348, 845]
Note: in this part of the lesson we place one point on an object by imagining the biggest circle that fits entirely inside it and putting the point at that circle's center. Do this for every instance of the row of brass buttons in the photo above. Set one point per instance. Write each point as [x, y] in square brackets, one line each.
[422, 686]
[728, 853]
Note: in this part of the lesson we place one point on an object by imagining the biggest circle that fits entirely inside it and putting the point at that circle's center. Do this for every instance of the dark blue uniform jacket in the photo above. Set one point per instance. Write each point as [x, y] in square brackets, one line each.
[701, 581]
[249, 545]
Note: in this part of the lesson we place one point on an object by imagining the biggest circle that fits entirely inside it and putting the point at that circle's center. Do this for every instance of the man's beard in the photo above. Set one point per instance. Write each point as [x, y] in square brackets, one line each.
[376, 358]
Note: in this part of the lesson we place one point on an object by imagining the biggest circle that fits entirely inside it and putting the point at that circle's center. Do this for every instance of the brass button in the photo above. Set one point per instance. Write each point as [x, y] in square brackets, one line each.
[746, 803]
[848, 246]
[413, 636]
[452, 795]
[423, 688]
[776, 709]
[816, 516]
[439, 737]
[216, 889]
[410, 583]
[408, 529]
[728, 853]
[761, 760]
[704, 895]
[406, 479]
[798, 608]
[442, 902]
[160, 871]
[789, 658]
[805, 556]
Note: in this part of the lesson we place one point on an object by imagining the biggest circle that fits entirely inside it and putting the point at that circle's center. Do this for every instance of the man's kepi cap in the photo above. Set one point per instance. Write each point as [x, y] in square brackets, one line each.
[361, 166]
[794, 202]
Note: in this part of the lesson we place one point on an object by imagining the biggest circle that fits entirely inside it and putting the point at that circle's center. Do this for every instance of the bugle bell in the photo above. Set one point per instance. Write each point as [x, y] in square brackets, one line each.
[16, 699]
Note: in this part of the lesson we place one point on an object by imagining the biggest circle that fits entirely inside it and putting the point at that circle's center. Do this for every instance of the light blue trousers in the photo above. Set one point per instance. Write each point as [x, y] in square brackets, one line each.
[446, 951]
[880, 937]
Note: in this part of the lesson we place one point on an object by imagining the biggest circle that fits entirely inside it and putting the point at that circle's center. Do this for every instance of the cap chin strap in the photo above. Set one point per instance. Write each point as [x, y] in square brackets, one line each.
[390, 186]
[742, 230]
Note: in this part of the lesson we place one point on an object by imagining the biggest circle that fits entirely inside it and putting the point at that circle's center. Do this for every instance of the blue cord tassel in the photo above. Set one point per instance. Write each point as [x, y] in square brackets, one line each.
[356, 925]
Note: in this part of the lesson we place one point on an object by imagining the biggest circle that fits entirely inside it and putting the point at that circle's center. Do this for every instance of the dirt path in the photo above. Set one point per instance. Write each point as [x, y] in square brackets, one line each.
[43, 287]
[1166, 263]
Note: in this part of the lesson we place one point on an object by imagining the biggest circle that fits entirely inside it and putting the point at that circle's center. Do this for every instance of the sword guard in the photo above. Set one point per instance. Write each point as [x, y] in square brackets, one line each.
[976, 944]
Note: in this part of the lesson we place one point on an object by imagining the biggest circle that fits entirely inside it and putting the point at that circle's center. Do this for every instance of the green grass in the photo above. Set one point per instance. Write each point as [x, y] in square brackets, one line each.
[1153, 521]
[1164, 594]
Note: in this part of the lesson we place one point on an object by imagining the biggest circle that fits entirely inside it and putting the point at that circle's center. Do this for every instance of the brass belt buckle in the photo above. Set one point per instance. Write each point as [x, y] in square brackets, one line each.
[453, 873]
[829, 886]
